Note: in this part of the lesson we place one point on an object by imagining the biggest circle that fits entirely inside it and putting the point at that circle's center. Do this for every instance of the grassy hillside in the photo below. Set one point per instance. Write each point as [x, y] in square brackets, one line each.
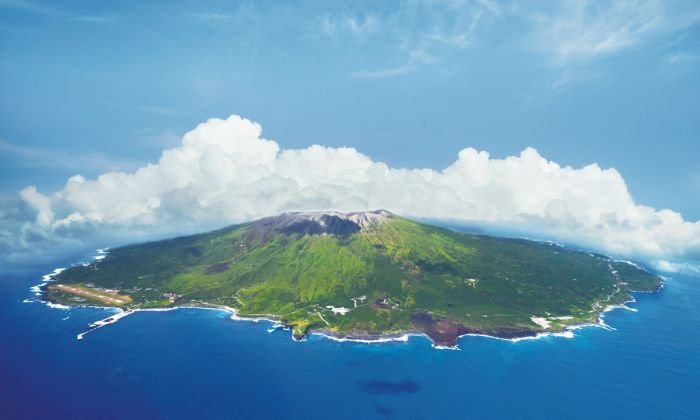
[394, 269]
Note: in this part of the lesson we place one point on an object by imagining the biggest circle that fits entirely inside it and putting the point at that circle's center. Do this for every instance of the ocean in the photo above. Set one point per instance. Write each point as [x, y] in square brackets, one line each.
[192, 363]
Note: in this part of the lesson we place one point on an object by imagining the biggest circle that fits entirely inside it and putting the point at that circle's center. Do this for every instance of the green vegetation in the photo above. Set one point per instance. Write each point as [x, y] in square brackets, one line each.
[370, 280]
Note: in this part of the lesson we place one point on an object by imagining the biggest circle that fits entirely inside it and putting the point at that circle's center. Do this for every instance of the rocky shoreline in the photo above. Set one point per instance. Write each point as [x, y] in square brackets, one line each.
[442, 332]
[445, 333]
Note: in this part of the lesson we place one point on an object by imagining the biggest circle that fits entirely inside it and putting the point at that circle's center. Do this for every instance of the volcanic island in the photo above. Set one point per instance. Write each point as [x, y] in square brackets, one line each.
[368, 275]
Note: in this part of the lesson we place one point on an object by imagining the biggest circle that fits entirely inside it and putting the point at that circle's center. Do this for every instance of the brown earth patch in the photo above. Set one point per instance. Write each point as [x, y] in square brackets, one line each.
[445, 332]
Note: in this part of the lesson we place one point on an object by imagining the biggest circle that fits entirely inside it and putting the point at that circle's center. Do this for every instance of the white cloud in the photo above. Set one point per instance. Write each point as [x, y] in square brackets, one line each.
[357, 26]
[586, 29]
[416, 57]
[160, 110]
[216, 17]
[414, 33]
[382, 73]
[225, 172]
[29, 156]
[23, 5]
[682, 58]
[459, 40]
[40, 203]
[95, 19]
[50, 10]
[684, 267]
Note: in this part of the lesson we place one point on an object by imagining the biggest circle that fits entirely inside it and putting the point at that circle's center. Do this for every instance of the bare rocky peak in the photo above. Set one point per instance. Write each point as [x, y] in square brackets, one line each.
[368, 219]
[319, 223]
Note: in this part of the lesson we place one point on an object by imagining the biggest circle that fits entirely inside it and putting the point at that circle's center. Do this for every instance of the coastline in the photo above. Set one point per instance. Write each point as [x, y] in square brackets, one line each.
[567, 333]
[356, 337]
[366, 338]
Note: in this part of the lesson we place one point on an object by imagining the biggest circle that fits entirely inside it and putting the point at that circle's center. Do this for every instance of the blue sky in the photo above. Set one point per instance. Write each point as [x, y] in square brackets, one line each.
[92, 86]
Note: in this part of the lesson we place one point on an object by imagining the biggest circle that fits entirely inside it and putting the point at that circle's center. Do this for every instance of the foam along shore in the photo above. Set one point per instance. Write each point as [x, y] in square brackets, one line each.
[124, 313]
[101, 254]
[568, 331]
[379, 340]
[45, 279]
[276, 325]
[55, 272]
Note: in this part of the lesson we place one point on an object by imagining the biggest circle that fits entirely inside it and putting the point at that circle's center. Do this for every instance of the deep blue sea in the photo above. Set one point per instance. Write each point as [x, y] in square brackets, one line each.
[201, 364]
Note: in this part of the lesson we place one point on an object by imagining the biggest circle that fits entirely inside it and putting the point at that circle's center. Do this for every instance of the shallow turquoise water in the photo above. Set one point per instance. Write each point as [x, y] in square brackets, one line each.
[198, 363]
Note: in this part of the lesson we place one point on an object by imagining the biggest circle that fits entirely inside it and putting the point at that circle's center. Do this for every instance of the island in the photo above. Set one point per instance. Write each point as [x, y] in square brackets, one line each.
[361, 275]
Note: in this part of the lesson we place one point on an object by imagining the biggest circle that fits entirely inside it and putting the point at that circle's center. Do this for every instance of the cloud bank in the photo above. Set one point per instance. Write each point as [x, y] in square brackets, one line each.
[224, 171]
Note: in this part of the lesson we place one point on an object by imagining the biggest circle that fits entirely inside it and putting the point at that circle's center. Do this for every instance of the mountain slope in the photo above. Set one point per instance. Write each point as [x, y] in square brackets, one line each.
[365, 274]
